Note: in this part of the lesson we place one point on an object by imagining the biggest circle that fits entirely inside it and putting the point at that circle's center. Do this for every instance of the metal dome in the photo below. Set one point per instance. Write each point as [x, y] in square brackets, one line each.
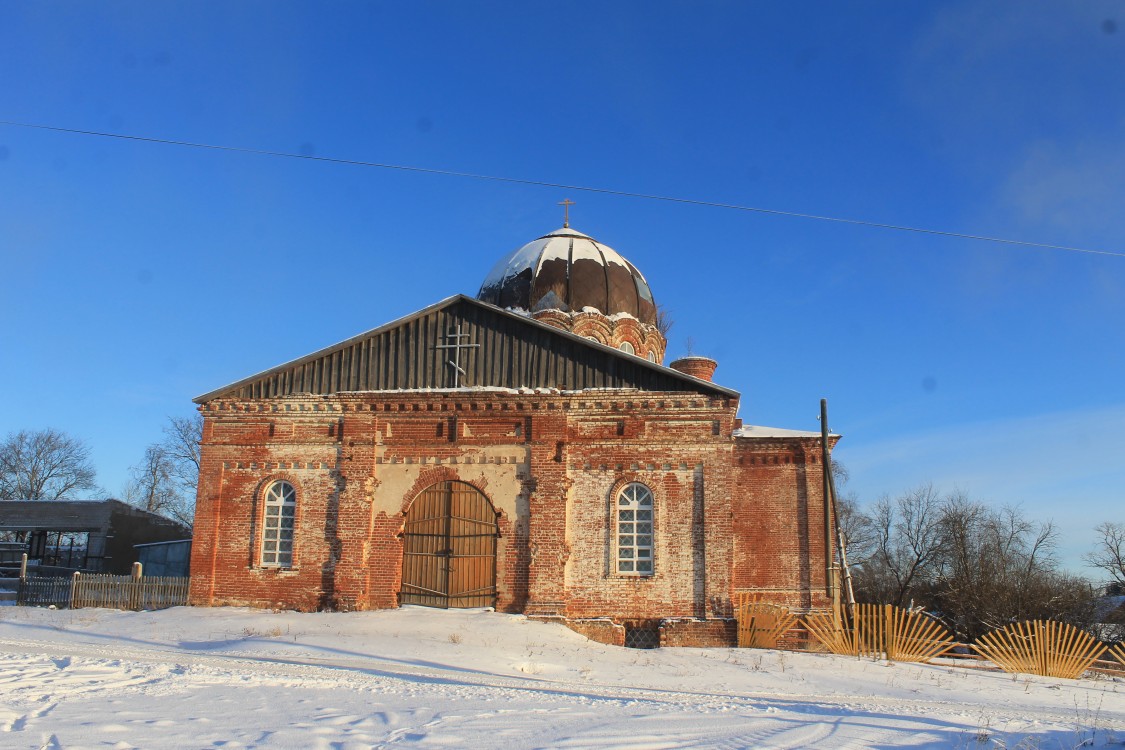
[569, 271]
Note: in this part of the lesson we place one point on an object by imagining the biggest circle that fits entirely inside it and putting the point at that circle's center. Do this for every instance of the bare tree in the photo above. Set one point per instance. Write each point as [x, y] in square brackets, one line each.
[998, 567]
[906, 545]
[1109, 555]
[857, 530]
[153, 486]
[44, 465]
[978, 568]
[165, 480]
[182, 436]
[855, 525]
[663, 320]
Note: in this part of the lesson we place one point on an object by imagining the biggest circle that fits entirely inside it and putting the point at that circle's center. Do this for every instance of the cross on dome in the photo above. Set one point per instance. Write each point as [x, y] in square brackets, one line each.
[566, 203]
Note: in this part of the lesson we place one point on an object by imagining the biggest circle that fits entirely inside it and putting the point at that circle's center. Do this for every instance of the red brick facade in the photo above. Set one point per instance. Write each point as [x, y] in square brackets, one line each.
[731, 514]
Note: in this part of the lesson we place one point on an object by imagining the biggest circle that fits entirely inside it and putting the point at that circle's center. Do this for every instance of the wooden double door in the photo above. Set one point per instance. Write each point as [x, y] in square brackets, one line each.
[449, 548]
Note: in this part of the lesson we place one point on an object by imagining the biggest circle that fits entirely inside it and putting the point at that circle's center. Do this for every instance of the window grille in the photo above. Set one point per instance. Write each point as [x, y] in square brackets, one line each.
[277, 525]
[642, 634]
[634, 530]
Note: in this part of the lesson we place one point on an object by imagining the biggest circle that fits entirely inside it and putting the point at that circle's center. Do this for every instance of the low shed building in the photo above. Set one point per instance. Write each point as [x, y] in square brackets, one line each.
[95, 536]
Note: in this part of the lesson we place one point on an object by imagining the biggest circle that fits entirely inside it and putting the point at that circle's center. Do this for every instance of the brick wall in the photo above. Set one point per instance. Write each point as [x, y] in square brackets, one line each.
[778, 521]
[730, 514]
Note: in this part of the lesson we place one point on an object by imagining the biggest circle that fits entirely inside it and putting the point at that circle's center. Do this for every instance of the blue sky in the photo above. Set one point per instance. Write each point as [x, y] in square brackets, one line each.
[138, 275]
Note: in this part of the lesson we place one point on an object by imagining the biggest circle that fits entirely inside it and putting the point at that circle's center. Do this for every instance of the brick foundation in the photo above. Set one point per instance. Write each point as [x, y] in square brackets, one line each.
[699, 633]
[601, 630]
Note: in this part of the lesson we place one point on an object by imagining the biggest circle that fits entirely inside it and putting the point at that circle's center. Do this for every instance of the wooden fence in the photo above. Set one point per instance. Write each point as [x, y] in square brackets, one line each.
[1118, 653]
[1044, 647]
[761, 625]
[44, 592]
[886, 632]
[882, 631]
[98, 590]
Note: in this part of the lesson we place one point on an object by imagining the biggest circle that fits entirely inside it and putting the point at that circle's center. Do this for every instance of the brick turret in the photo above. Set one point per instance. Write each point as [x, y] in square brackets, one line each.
[698, 367]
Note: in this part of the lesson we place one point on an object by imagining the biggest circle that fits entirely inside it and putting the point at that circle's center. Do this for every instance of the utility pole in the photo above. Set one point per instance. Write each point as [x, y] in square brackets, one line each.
[832, 517]
[825, 464]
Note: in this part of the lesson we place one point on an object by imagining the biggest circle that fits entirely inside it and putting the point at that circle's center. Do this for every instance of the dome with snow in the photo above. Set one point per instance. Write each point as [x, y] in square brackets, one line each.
[569, 271]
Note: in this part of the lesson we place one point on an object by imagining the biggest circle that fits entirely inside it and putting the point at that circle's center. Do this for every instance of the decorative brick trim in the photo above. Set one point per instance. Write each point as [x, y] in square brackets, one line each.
[430, 477]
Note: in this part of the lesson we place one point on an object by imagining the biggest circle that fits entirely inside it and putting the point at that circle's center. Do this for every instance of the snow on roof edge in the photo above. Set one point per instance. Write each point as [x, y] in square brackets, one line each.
[760, 431]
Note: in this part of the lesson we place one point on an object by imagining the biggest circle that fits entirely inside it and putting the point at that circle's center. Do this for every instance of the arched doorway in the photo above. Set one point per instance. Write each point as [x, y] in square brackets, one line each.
[449, 548]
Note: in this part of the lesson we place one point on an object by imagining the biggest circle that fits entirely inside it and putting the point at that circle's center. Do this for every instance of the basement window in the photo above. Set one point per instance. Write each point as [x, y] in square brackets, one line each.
[642, 634]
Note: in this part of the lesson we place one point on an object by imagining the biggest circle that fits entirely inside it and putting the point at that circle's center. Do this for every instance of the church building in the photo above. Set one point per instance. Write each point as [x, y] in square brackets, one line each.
[525, 449]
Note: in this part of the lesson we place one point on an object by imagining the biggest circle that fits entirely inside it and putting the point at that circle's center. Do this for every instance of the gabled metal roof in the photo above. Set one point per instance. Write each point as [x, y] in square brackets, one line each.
[499, 349]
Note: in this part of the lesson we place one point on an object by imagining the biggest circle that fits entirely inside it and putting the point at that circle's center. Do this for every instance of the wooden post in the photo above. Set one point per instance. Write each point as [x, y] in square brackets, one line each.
[74, 602]
[23, 566]
[832, 519]
[136, 590]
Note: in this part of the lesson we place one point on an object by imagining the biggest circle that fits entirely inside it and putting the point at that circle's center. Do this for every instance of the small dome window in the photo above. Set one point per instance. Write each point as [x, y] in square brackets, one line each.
[652, 356]
[627, 348]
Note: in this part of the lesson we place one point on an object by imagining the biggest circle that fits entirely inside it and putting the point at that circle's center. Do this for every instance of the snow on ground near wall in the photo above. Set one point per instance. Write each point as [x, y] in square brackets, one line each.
[423, 678]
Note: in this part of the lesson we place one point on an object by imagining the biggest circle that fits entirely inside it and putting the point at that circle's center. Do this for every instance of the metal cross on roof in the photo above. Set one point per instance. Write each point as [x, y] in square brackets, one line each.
[457, 346]
[566, 203]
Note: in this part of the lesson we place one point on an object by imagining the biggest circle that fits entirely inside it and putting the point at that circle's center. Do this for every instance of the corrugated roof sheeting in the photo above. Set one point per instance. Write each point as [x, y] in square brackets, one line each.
[511, 352]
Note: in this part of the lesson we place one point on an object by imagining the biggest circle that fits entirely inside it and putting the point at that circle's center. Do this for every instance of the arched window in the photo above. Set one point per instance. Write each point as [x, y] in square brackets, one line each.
[634, 530]
[277, 525]
[652, 356]
[626, 347]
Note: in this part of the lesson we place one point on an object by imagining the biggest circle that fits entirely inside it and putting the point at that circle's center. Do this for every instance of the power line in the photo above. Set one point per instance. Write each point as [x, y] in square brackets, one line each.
[581, 188]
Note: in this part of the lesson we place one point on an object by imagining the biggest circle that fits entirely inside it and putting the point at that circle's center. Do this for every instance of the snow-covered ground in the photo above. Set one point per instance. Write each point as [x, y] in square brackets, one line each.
[204, 678]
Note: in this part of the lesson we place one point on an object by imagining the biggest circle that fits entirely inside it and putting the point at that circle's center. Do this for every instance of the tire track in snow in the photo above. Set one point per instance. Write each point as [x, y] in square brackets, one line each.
[373, 675]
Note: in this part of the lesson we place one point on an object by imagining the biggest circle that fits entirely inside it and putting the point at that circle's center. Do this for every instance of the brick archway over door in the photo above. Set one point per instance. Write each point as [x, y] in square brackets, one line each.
[449, 548]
